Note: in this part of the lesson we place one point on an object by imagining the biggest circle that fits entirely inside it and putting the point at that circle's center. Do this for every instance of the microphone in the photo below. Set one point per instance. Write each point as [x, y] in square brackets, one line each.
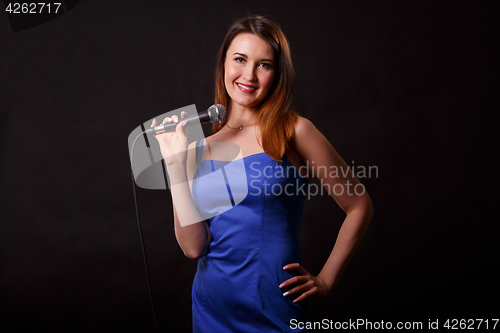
[215, 114]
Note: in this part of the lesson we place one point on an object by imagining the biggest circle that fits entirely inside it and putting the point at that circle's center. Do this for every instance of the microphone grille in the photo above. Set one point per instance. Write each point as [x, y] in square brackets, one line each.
[217, 113]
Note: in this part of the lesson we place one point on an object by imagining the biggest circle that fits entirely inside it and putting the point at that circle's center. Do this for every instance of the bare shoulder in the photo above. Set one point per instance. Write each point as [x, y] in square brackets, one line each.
[307, 140]
[303, 128]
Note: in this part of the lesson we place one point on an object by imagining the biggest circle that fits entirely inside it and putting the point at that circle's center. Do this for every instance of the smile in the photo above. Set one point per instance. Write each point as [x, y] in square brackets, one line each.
[245, 88]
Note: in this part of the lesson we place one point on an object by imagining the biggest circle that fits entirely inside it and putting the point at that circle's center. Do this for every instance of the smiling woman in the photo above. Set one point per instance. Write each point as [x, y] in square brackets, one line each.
[250, 276]
[249, 71]
[261, 49]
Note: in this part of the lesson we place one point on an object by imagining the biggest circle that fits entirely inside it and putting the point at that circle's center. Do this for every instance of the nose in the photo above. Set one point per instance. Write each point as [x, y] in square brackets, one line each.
[249, 73]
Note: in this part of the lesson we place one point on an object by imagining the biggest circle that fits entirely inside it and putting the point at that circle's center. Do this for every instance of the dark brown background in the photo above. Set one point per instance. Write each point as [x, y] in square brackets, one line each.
[409, 87]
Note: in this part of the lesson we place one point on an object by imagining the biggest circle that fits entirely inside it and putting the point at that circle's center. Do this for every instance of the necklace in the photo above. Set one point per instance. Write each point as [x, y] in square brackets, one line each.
[241, 127]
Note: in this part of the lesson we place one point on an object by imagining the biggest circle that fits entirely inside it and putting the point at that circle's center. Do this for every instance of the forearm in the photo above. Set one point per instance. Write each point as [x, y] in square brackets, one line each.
[348, 239]
[191, 231]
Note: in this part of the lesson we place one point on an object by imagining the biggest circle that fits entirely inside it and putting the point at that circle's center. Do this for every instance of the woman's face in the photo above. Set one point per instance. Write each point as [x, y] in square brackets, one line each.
[249, 70]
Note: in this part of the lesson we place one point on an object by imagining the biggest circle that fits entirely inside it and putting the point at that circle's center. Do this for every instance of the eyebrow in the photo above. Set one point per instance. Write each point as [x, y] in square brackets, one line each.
[245, 56]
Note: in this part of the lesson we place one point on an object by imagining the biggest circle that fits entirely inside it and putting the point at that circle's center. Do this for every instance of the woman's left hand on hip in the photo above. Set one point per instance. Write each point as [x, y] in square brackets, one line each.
[304, 283]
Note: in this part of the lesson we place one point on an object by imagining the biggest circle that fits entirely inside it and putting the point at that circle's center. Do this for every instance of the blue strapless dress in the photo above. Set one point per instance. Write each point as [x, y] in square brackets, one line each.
[236, 287]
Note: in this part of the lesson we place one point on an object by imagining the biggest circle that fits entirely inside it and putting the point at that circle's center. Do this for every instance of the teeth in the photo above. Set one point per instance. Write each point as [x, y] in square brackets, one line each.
[245, 87]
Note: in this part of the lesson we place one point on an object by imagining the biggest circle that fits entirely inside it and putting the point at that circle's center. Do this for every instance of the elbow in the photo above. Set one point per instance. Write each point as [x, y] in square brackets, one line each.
[363, 208]
[194, 253]
[368, 210]
[367, 207]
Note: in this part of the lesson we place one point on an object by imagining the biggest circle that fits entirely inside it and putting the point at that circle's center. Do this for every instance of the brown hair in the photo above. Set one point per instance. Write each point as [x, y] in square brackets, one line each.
[277, 119]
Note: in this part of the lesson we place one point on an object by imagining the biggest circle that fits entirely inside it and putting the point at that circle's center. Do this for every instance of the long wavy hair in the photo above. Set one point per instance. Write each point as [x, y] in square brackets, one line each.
[277, 119]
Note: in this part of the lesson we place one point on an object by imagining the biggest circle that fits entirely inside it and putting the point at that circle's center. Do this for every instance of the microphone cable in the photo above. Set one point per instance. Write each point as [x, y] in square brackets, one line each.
[139, 226]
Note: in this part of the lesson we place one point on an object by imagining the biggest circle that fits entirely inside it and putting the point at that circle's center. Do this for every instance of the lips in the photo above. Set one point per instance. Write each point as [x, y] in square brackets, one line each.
[246, 88]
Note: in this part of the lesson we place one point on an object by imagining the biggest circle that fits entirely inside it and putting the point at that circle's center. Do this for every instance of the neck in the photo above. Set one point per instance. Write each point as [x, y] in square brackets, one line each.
[242, 116]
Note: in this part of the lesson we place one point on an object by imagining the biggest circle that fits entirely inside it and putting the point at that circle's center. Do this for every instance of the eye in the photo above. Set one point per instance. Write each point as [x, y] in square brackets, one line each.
[240, 60]
[265, 65]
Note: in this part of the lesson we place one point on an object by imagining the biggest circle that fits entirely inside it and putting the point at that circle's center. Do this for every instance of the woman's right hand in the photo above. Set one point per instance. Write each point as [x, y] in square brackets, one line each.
[173, 144]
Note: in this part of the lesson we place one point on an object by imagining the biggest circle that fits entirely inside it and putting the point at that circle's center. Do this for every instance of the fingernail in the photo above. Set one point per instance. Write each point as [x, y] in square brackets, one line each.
[184, 123]
[295, 300]
[282, 285]
[286, 267]
[286, 293]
